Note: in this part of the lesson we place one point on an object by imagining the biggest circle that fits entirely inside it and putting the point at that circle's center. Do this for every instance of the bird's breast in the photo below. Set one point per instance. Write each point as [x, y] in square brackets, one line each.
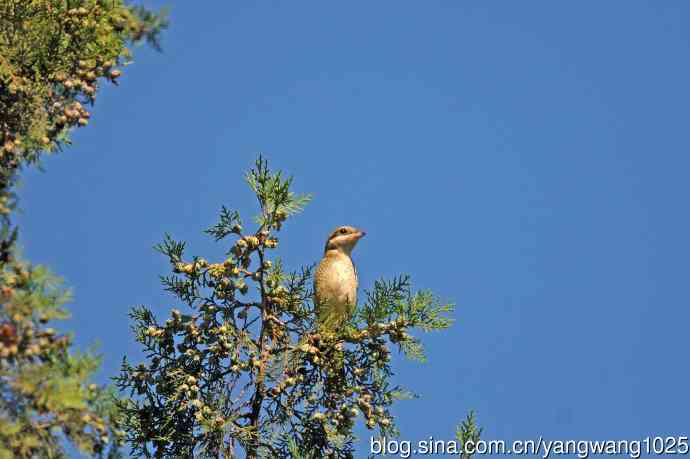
[336, 281]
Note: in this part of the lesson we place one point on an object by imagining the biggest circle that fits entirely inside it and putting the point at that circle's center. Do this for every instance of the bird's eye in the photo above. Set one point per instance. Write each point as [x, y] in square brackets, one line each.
[343, 230]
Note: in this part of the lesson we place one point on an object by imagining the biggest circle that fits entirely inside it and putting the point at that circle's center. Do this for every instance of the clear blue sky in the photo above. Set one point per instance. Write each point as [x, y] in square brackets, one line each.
[525, 160]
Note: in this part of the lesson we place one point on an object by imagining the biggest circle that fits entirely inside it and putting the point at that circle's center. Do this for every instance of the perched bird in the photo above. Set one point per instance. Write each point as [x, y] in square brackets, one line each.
[335, 280]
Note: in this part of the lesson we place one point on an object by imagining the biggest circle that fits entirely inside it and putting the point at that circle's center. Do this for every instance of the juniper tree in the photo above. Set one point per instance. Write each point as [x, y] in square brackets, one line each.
[45, 395]
[468, 432]
[54, 55]
[240, 364]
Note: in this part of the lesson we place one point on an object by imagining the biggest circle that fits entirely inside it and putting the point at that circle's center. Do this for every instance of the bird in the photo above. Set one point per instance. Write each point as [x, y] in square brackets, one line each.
[335, 279]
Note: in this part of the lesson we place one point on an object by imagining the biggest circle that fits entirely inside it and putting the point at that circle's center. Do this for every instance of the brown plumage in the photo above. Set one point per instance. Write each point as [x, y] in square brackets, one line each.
[335, 280]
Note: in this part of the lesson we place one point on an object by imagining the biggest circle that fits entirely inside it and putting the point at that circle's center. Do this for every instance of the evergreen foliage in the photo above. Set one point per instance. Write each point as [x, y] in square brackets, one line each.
[54, 55]
[468, 431]
[44, 389]
[245, 369]
[240, 368]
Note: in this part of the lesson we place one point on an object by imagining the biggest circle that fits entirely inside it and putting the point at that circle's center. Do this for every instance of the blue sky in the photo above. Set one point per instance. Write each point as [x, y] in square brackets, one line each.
[525, 160]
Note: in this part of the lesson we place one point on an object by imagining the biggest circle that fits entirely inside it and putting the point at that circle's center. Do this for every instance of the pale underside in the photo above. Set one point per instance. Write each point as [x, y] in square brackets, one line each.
[335, 289]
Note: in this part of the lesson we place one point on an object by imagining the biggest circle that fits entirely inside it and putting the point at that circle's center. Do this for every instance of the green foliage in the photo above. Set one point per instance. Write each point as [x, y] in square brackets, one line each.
[44, 390]
[468, 431]
[240, 368]
[394, 303]
[276, 200]
[229, 223]
[54, 55]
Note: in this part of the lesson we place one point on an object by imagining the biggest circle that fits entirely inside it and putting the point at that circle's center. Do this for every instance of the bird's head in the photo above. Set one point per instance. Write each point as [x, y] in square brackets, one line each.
[344, 239]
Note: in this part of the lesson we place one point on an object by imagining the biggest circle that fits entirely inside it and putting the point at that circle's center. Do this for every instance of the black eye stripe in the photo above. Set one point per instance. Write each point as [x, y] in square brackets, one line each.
[339, 232]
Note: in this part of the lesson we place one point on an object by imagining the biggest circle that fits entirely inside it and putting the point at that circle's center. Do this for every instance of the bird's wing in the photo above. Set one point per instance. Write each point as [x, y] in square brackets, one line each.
[354, 302]
[356, 275]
